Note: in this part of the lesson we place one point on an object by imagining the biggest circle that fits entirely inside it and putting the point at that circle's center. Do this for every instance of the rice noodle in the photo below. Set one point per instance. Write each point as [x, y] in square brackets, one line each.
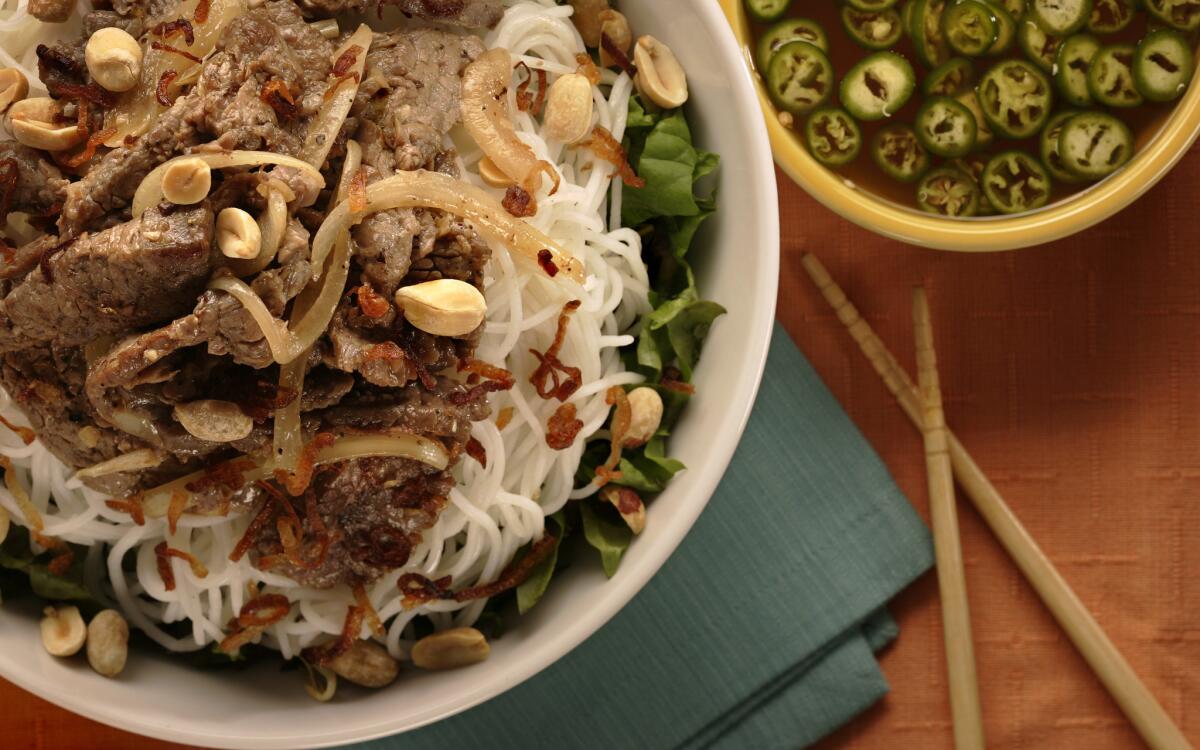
[493, 510]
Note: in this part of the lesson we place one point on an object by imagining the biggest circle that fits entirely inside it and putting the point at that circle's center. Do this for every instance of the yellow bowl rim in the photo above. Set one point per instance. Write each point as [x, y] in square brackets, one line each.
[987, 234]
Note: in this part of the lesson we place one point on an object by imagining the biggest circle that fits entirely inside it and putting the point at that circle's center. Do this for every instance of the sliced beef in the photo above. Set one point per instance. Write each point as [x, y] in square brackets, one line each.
[269, 45]
[137, 274]
[95, 20]
[410, 93]
[374, 511]
[37, 186]
[412, 409]
[472, 14]
[111, 182]
[47, 384]
[27, 256]
[144, 9]
[51, 11]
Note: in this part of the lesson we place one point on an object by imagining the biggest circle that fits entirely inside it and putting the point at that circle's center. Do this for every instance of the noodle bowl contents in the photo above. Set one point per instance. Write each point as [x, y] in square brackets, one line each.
[322, 340]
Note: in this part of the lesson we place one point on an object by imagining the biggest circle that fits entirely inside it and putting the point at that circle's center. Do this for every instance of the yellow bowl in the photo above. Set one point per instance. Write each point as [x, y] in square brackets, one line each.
[1152, 161]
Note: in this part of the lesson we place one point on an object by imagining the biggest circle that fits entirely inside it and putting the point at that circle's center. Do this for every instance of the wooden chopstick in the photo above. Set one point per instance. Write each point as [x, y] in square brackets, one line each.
[947, 546]
[1131, 694]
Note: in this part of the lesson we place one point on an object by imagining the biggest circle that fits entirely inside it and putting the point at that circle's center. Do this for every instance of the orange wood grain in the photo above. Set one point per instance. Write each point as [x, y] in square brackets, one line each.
[1072, 373]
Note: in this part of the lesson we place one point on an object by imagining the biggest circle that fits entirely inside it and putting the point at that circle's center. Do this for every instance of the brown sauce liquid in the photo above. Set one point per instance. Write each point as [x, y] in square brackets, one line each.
[1145, 121]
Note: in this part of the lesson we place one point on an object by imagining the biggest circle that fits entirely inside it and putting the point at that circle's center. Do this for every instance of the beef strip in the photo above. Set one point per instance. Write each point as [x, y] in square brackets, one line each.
[51, 11]
[411, 409]
[144, 9]
[111, 182]
[471, 14]
[271, 43]
[39, 186]
[95, 20]
[139, 273]
[47, 384]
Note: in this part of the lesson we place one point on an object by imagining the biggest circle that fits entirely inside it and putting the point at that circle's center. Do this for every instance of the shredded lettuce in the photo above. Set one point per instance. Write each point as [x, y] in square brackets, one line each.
[532, 588]
[610, 538]
[29, 572]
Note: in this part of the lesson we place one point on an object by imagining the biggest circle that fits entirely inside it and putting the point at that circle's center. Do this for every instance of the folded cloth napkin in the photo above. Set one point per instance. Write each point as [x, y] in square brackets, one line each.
[760, 631]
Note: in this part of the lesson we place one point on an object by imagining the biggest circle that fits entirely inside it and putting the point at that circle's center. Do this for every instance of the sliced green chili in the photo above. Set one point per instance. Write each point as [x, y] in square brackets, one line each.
[873, 29]
[800, 77]
[878, 86]
[1110, 16]
[972, 166]
[1048, 148]
[1071, 67]
[1006, 28]
[896, 150]
[834, 138]
[947, 191]
[1181, 14]
[931, 46]
[1014, 8]
[1016, 98]
[946, 127]
[790, 30]
[949, 78]
[1110, 77]
[1061, 17]
[1015, 182]
[1037, 45]
[871, 5]
[969, 27]
[1163, 65]
[767, 11]
[1093, 145]
[983, 133]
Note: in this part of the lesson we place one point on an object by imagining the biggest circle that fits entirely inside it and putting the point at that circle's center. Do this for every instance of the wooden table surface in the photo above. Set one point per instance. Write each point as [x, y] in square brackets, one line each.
[1070, 372]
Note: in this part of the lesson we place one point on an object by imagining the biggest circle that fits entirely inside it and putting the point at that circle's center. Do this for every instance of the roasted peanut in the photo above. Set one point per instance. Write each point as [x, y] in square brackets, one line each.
[108, 643]
[629, 504]
[368, 664]
[14, 87]
[444, 307]
[615, 27]
[38, 123]
[646, 411]
[238, 234]
[214, 420]
[187, 181]
[63, 631]
[568, 109]
[587, 19]
[660, 76]
[450, 649]
[114, 58]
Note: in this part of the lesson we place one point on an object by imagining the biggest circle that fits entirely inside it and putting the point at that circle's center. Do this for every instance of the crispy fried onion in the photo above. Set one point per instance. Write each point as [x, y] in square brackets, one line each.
[618, 55]
[201, 14]
[619, 431]
[149, 192]
[370, 303]
[494, 379]
[425, 189]
[64, 556]
[587, 68]
[476, 451]
[372, 617]
[417, 589]
[351, 629]
[94, 141]
[239, 472]
[526, 102]
[603, 145]
[553, 379]
[131, 505]
[545, 260]
[163, 555]
[486, 117]
[276, 95]
[26, 434]
[135, 460]
[297, 481]
[162, 92]
[672, 380]
[563, 427]
[33, 519]
[348, 63]
[163, 47]
[255, 616]
[293, 548]
[519, 203]
[168, 29]
[504, 417]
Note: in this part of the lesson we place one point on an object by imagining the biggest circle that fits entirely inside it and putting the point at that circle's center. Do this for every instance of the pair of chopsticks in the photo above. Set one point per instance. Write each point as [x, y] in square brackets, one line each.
[923, 407]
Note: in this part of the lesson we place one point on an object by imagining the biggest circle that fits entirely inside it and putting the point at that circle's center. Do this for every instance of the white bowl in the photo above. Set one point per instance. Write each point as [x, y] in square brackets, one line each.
[738, 266]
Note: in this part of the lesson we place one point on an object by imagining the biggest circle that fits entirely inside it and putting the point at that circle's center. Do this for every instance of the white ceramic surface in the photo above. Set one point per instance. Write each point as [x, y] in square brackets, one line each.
[738, 266]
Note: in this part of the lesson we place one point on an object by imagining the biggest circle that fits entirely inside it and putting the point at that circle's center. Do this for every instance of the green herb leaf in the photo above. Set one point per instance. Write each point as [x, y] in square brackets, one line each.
[668, 163]
[611, 538]
[532, 588]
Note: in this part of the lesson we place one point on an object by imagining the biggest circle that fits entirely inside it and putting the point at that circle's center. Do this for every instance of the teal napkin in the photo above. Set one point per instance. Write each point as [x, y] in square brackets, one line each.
[760, 631]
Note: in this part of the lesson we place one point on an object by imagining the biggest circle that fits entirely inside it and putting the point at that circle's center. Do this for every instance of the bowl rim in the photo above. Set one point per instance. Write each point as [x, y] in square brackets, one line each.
[985, 234]
[726, 56]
